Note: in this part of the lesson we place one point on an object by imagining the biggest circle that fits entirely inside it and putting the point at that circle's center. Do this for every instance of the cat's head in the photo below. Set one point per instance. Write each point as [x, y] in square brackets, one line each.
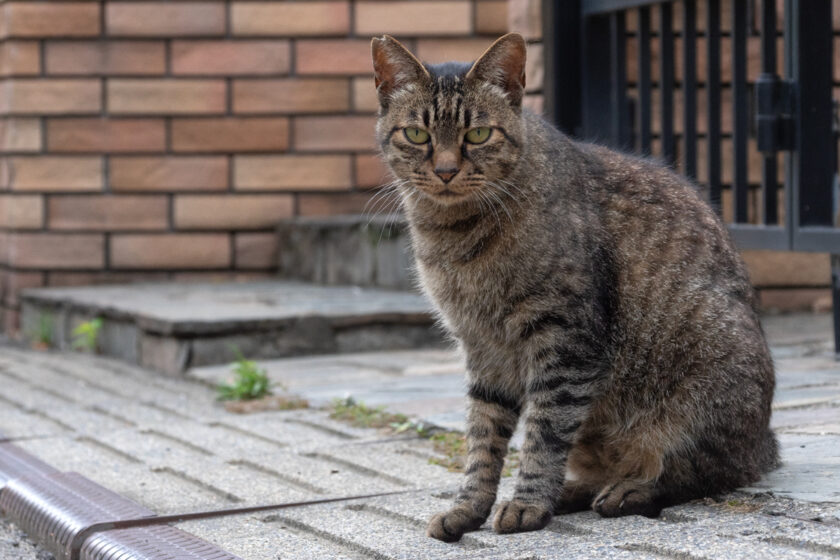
[450, 131]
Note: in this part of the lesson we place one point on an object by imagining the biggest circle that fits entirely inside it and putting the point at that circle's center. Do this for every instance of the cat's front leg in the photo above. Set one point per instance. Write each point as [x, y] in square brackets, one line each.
[559, 395]
[490, 423]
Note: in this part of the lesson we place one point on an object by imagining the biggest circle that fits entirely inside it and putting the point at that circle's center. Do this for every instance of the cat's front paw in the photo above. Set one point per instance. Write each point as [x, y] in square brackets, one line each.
[517, 516]
[451, 525]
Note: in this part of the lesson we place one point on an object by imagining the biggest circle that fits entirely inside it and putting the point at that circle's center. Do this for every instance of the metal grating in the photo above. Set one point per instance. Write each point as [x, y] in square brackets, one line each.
[15, 462]
[158, 542]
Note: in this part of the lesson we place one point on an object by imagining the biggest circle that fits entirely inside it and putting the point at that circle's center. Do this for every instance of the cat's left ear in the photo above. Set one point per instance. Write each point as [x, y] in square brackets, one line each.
[503, 64]
[394, 66]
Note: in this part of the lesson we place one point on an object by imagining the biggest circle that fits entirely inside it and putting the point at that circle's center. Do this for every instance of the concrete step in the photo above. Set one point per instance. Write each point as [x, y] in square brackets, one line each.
[351, 249]
[173, 327]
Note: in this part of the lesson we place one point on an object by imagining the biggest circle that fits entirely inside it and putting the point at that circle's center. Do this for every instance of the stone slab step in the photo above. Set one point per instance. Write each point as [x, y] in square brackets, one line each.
[172, 327]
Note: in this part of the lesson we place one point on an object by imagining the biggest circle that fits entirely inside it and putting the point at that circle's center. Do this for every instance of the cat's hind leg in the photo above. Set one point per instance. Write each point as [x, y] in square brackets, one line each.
[630, 497]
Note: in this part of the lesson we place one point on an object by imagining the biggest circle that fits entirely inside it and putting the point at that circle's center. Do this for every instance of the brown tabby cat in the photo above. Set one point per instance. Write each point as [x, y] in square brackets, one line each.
[592, 289]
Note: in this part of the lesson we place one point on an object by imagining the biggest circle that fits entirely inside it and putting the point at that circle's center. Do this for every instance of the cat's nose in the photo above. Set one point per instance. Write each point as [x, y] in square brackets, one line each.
[446, 174]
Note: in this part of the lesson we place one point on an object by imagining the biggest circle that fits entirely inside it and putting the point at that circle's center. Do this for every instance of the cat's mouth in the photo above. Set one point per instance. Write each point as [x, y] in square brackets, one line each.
[445, 195]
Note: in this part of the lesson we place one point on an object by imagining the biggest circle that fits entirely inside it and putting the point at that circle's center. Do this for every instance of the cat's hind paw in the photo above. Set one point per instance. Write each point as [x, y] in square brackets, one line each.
[517, 516]
[450, 526]
[627, 498]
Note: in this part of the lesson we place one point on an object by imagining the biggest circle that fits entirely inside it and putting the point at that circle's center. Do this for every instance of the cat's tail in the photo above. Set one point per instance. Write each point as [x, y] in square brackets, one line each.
[768, 451]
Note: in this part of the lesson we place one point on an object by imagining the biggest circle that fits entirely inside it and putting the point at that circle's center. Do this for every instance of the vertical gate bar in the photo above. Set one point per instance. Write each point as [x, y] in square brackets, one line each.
[644, 80]
[740, 117]
[769, 168]
[713, 100]
[835, 295]
[620, 129]
[596, 74]
[689, 87]
[562, 52]
[666, 80]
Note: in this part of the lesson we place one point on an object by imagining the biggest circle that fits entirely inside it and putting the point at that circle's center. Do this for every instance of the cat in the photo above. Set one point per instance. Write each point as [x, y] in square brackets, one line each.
[593, 293]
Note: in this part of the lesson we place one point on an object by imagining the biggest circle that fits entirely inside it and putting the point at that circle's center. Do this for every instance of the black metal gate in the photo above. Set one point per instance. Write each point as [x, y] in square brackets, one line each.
[677, 111]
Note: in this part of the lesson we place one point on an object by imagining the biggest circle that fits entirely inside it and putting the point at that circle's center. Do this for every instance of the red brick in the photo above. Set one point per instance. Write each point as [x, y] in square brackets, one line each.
[112, 57]
[166, 97]
[106, 135]
[333, 204]
[292, 172]
[170, 251]
[334, 133]
[293, 95]
[451, 17]
[445, 50]
[338, 57]
[231, 57]
[255, 250]
[15, 282]
[175, 173]
[525, 18]
[290, 18]
[51, 19]
[20, 135]
[20, 58]
[781, 268]
[371, 171]
[56, 250]
[364, 95]
[165, 18]
[230, 135]
[53, 97]
[232, 211]
[491, 16]
[104, 277]
[534, 68]
[53, 173]
[21, 212]
[108, 213]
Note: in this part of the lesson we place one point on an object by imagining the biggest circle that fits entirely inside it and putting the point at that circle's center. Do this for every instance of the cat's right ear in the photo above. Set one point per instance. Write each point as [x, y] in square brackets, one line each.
[394, 67]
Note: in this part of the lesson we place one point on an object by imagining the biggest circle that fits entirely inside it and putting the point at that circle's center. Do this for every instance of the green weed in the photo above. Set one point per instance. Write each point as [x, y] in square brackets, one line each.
[43, 335]
[360, 415]
[251, 382]
[86, 335]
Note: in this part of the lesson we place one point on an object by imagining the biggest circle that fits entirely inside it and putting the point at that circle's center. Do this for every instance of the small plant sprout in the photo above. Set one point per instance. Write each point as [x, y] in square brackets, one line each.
[43, 334]
[86, 335]
[360, 415]
[251, 382]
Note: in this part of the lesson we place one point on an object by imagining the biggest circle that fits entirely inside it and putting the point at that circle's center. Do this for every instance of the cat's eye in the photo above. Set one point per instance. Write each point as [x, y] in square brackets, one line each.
[478, 135]
[416, 135]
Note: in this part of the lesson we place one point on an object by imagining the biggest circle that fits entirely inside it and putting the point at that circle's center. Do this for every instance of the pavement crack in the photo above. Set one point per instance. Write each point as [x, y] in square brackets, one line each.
[361, 469]
[109, 449]
[805, 545]
[112, 415]
[321, 428]
[242, 432]
[179, 441]
[353, 549]
[659, 551]
[294, 482]
[165, 410]
[224, 494]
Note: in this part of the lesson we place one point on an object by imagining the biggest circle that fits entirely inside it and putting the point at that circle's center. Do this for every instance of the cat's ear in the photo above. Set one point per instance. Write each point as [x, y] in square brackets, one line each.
[503, 64]
[394, 66]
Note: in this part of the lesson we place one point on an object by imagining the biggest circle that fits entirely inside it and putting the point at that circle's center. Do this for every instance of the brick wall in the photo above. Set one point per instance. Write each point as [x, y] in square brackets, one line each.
[152, 140]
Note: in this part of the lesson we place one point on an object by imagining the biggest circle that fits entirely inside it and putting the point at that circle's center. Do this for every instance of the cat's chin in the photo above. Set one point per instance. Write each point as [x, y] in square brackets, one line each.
[445, 197]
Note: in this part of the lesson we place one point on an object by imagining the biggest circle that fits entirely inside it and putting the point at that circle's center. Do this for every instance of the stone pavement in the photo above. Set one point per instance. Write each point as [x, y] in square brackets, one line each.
[166, 444]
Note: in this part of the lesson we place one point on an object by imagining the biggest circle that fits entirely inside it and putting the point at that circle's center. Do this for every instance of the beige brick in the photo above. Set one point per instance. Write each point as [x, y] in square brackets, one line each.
[108, 213]
[334, 133]
[19, 58]
[290, 18]
[333, 204]
[231, 57]
[230, 135]
[445, 50]
[20, 135]
[51, 19]
[106, 135]
[112, 57]
[231, 211]
[491, 16]
[165, 18]
[781, 268]
[175, 173]
[293, 95]
[790, 300]
[525, 18]
[216, 277]
[534, 69]
[166, 97]
[451, 17]
[255, 250]
[53, 97]
[534, 102]
[338, 57]
[364, 95]
[15, 282]
[21, 212]
[292, 172]
[53, 173]
[170, 251]
[371, 171]
[104, 277]
[56, 250]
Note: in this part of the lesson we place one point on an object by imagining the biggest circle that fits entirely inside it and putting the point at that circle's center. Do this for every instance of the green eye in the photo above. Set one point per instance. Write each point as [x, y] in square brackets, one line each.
[416, 136]
[478, 135]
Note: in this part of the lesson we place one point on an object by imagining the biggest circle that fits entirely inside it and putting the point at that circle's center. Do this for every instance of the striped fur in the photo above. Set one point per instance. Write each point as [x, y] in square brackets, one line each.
[594, 294]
